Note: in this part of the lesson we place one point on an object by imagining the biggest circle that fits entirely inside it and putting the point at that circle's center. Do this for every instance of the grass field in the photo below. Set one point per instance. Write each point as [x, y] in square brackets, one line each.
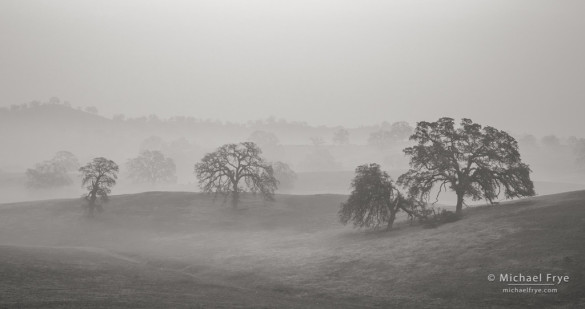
[183, 250]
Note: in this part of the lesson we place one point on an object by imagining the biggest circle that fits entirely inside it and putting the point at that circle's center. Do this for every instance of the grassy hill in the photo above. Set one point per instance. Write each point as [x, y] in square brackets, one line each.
[161, 249]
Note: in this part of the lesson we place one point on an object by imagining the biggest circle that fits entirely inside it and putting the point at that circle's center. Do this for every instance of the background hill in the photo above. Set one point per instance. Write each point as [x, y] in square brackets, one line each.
[33, 132]
[160, 249]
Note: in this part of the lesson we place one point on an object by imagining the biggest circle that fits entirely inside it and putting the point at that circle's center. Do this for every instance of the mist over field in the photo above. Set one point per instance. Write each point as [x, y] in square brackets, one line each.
[280, 154]
[34, 132]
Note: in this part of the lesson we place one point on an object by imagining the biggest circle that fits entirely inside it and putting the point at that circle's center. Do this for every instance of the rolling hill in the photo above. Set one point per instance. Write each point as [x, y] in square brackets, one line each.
[180, 249]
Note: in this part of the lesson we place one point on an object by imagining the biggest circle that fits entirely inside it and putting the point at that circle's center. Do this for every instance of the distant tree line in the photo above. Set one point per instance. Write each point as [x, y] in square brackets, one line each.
[52, 102]
[473, 161]
[230, 170]
[390, 135]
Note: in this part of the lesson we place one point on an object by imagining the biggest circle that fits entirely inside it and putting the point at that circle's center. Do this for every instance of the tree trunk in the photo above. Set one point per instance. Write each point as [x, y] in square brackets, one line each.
[391, 220]
[459, 208]
[235, 199]
[91, 206]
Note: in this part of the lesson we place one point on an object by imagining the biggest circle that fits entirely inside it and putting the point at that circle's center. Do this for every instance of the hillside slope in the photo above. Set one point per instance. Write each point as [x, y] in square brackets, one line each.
[162, 249]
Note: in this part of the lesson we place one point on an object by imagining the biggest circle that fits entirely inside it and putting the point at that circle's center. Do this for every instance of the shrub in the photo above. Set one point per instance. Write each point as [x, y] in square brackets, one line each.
[439, 218]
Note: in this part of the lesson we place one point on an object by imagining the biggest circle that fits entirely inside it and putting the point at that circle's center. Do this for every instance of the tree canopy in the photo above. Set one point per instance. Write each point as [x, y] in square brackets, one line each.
[52, 173]
[474, 161]
[268, 142]
[401, 130]
[284, 174]
[389, 135]
[47, 174]
[235, 168]
[152, 143]
[320, 159]
[264, 139]
[341, 136]
[67, 160]
[152, 167]
[98, 177]
[375, 199]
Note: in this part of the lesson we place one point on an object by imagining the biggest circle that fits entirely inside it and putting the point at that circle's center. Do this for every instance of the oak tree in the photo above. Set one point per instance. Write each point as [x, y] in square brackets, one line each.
[236, 168]
[98, 177]
[47, 174]
[473, 161]
[52, 173]
[389, 135]
[341, 136]
[152, 167]
[375, 199]
[285, 175]
[401, 130]
[67, 160]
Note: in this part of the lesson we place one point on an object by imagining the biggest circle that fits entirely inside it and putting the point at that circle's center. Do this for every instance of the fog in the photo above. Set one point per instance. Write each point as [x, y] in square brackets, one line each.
[515, 65]
[321, 87]
[34, 132]
[101, 79]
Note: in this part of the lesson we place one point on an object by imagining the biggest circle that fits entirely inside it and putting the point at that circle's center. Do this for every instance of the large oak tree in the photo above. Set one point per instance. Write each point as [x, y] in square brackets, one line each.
[236, 168]
[474, 161]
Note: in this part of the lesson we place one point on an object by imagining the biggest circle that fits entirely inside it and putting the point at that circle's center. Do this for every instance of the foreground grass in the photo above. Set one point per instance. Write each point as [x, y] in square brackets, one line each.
[180, 249]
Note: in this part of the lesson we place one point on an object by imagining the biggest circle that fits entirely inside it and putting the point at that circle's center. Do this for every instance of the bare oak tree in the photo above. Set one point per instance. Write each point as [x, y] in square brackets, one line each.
[235, 168]
[474, 161]
[98, 177]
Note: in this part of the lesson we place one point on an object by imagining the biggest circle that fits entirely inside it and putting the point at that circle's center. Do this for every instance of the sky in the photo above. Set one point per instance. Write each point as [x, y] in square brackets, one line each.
[518, 65]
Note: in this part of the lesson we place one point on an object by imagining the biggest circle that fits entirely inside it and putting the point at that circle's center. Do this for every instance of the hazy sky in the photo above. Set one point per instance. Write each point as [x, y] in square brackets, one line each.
[517, 65]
